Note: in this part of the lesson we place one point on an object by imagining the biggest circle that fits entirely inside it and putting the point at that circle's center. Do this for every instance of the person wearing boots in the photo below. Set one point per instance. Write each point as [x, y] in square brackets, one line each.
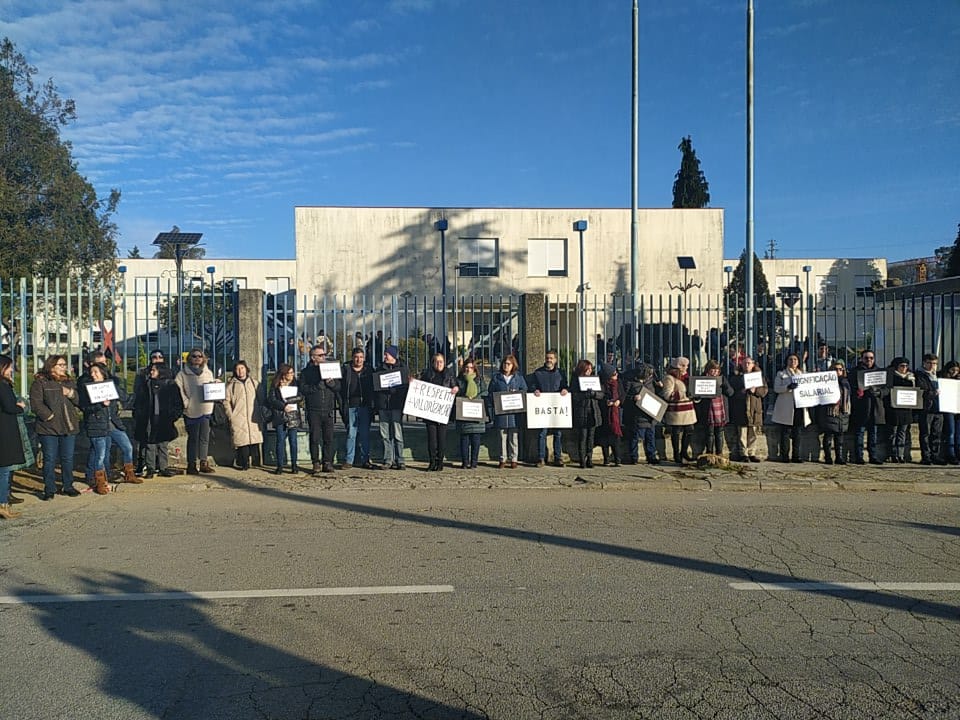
[54, 400]
[196, 413]
[157, 406]
[11, 443]
[101, 421]
[437, 374]
[241, 403]
[791, 419]
[98, 356]
[611, 425]
[587, 412]
[284, 400]
[320, 398]
[834, 420]
[898, 419]
[746, 411]
[680, 416]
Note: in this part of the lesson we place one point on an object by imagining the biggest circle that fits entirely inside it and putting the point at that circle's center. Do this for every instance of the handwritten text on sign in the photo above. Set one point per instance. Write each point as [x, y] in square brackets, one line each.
[429, 402]
[815, 389]
[550, 410]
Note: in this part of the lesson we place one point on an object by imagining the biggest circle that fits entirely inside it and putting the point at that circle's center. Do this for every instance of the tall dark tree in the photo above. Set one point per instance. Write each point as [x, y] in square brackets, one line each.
[770, 318]
[690, 188]
[51, 221]
[134, 253]
[953, 262]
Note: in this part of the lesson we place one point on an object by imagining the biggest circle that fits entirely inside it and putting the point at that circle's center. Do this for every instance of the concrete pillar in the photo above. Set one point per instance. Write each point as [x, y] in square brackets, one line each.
[533, 331]
[250, 338]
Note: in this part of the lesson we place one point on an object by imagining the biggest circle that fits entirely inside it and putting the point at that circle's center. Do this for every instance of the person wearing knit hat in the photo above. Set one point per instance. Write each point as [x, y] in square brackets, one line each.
[389, 404]
[611, 421]
[680, 416]
[898, 419]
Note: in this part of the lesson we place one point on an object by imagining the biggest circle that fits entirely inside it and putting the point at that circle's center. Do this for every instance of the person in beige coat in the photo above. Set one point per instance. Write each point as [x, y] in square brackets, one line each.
[241, 403]
[196, 413]
[680, 416]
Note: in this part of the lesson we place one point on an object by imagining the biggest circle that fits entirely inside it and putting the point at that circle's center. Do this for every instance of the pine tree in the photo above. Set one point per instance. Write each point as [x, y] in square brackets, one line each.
[765, 308]
[690, 188]
[134, 253]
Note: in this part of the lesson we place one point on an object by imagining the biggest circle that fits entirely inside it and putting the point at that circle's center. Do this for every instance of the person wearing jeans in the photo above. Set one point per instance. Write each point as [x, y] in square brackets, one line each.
[101, 419]
[54, 400]
[549, 378]
[356, 400]
[11, 443]
[284, 402]
[389, 403]
[196, 413]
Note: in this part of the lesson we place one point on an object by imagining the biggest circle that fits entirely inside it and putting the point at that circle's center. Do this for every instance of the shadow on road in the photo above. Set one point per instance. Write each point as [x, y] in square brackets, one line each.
[170, 660]
[733, 572]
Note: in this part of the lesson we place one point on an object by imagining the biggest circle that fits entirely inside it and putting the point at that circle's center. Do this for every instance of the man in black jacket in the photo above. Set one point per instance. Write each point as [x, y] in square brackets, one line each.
[356, 406]
[549, 378]
[320, 397]
[867, 411]
[930, 419]
[389, 404]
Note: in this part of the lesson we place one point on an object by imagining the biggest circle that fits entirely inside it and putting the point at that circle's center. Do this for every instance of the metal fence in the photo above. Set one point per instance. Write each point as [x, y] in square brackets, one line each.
[42, 317]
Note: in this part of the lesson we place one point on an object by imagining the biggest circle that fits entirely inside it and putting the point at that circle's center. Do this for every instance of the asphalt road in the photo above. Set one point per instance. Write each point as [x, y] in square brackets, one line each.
[566, 603]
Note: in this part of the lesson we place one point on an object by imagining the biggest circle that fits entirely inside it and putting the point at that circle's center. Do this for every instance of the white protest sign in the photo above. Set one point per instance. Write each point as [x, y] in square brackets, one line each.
[820, 388]
[550, 410]
[906, 398]
[873, 378]
[652, 405]
[589, 382]
[949, 395]
[429, 402]
[330, 371]
[391, 379]
[470, 410]
[98, 392]
[752, 380]
[705, 387]
[288, 391]
[214, 391]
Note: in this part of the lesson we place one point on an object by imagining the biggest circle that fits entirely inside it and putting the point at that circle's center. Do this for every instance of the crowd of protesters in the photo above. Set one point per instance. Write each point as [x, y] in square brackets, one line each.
[608, 410]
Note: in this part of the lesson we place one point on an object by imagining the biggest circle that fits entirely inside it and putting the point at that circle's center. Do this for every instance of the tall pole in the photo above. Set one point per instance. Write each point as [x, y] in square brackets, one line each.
[583, 303]
[178, 255]
[634, 239]
[749, 326]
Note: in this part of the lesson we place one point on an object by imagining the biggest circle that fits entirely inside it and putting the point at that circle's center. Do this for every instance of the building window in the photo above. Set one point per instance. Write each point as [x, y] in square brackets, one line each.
[826, 284]
[547, 257]
[863, 285]
[276, 285]
[478, 257]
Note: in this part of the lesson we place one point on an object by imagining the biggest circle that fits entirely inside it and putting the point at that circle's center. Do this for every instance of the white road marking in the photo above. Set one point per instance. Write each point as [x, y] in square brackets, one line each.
[225, 594]
[868, 586]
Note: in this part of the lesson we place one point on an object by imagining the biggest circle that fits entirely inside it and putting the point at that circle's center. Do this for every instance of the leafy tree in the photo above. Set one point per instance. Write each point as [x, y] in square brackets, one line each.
[769, 317]
[52, 223]
[953, 262]
[209, 316]
[690, 188]
[168, 252]
[134, 253]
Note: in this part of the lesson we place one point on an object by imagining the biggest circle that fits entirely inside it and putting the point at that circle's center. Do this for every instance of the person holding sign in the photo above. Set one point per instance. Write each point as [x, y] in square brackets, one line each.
[746, 408]
[101, 419]
[284, 401]
[54, 400]
[680, 416]
[321, 404]
[867, 411]
[196, 412]
[356, 407]
[508, 380]
[899, 419]
[786, 414]
[713, 413]
[470, 386]
[548, 378]
[951, 420]
[930, 419]
[437, 374]
[640, 426]
[389, 403]
[834, 420]
[587, 415]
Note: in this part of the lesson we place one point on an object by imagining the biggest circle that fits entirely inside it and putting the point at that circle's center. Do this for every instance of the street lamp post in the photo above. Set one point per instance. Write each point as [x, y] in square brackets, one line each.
[211, 269]
[727, 297]
[808, 321]
[580, 226]
[685, 263]
[180, 242]
[441, 225]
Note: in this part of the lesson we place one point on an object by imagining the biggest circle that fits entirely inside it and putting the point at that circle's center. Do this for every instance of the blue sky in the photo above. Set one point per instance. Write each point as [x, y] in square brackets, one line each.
[221, 117]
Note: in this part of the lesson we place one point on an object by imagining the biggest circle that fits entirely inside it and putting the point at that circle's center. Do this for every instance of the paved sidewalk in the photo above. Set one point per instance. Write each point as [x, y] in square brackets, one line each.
[764, 477]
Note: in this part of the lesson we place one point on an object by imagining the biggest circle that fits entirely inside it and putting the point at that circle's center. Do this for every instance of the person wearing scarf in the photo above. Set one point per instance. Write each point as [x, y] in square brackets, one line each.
[471, 431]
[680, 417]
[196, 413]
[611, 427]
[713, 413]
[834, 419]
[587, 413]
[791, 419]
[898, 419]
